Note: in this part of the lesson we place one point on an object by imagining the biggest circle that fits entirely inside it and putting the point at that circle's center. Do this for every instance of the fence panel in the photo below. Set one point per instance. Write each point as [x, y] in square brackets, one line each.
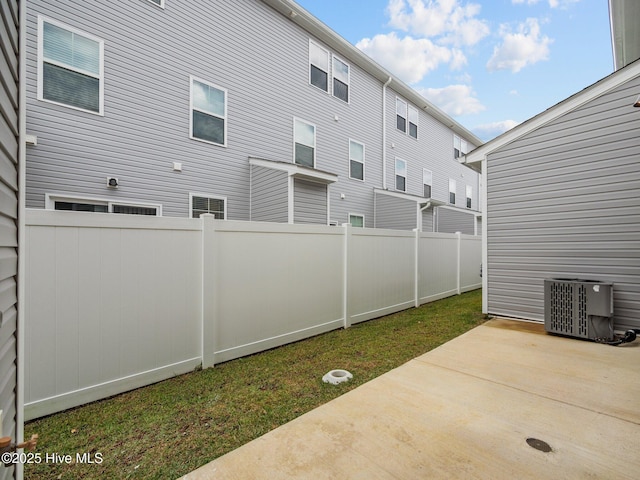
[437, 266]
[381, 272]
[112, 303]
[267, 284]
[115, 302]
[470, 260]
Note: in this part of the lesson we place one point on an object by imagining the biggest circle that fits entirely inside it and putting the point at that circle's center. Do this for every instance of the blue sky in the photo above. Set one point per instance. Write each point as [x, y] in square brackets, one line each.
[490, 64]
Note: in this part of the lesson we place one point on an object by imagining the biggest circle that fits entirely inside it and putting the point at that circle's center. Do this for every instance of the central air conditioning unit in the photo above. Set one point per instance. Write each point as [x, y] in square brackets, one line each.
[579, 308]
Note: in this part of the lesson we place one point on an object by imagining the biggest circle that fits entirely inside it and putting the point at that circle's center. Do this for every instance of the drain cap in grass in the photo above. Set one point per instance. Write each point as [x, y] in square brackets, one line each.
[337, 376]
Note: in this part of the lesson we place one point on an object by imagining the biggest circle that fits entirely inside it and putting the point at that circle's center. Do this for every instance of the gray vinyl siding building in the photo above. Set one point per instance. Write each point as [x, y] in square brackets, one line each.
[258, 54]
[563, 201]
[9, 209]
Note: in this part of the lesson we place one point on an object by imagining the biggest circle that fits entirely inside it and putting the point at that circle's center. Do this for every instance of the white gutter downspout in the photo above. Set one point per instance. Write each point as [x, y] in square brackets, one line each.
[420, 210]
[384, 133]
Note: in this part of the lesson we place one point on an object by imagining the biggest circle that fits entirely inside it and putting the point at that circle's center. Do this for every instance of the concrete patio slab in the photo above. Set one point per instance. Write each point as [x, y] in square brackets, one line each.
[466, 410]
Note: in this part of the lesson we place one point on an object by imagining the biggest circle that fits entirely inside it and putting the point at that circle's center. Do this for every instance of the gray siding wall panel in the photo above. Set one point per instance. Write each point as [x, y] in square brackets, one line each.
[452, 221]
[269, 195]
[9, 158]
[433, 150]
[395, 213]
[309, 202]
[563, 203]
[144, 130]
[427, 220]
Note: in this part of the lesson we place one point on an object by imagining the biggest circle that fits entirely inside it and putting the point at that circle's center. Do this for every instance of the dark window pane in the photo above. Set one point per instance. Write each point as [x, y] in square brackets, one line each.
[401, 123]
[400, 183]
[304, 155]
[357, 170]
[468, 203]
[214, 206]
[207, 127]
[340, 90]
[427, 191]
[80, 207]
[71, 88]
[456, 153]
[319, 78]
[413, 130]
[131, 210]
[452, 198]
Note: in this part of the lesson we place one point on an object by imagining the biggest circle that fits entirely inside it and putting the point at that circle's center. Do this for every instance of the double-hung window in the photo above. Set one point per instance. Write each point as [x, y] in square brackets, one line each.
[469, 195]
[413, 122]
[401, 175]
[318, 66]
[217, 206]
[457, 147]
[208, 112]
[401, 115]
[452, 191]
[70, 67]
[304, 135]
[340, 79]
[427, 181]
[356, 160]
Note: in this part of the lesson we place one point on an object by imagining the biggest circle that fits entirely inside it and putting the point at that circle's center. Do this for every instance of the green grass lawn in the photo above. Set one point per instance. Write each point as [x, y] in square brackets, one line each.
[173, 427]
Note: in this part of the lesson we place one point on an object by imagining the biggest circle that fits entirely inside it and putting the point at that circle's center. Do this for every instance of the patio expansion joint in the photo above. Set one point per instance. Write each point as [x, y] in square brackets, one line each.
[495, 382]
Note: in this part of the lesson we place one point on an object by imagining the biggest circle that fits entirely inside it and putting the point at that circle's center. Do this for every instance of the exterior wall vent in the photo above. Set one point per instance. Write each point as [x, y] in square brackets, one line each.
[579, 308]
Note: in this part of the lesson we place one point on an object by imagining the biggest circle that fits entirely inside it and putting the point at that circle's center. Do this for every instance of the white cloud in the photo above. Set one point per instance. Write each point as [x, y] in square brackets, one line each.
[454, 100]
[488, 131]
[552, 3]
[408, 58]
[447, 20]
[524, 47]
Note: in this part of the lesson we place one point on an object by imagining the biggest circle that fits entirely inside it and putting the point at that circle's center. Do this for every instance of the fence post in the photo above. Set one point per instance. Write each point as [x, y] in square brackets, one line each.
[345, 275]
[459, 261]
[209, 284]
[416, 267]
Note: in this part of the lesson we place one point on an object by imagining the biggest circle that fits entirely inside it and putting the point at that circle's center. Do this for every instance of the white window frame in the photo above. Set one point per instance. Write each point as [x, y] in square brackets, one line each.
[358, 161]
[398, 175]
[159, 5]
[355, 215]
[426, 173]
[192, 108]
[411, 109]
[328, 72]
[404, 114]
[206, 195]
[50, 200]
[452, 190]
[469, 192]
[333, 76]
[315, 141]
[41, 60]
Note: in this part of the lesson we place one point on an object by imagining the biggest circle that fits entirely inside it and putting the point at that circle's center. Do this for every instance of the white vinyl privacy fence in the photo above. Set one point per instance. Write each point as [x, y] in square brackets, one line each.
[116, 302]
